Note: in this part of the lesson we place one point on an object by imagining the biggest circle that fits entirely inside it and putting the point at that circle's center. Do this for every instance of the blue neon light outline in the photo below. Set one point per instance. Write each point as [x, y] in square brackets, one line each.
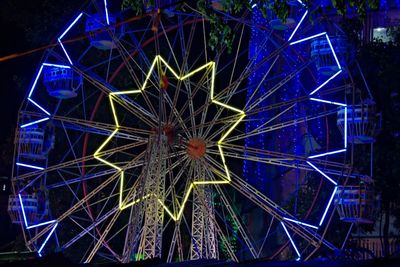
[47, 239]
[328, 102]
[37, 225]
[39, 106]
[323, 101]
[327, 153]
[29, 166]
[56, 65]
[291, 241]
[322, 173]
[328, 80]
[328, 206]
[65, 51]
[307, 38]
[333, 51]
[70, 26]
[34, 83]
[301, 223]
[34, 122]
[298, 25]
[106, 10]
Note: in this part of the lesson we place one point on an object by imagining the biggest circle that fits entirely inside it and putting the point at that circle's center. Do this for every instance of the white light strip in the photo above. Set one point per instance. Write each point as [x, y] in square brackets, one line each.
[34, 122]
[327, 153]
[70, 26]
[23, 210]
[29, 166]
[40, 107]
[34, 83]
[333, 52]
[105, 7]
[41, 224]
[291, 240]
[301, 223]
[65, 51]
[328, 102]
[47, 239]
[298, 25]
[321, 172]
[327, 206]
[308, 38]
[319, 87]
[56, 65]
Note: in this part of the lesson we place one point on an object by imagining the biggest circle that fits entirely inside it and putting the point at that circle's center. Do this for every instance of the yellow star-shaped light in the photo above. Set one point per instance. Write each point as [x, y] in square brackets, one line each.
[160, 60]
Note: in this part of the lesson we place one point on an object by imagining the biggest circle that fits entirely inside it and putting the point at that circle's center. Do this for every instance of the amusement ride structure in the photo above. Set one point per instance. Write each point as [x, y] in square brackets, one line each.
[136, 140]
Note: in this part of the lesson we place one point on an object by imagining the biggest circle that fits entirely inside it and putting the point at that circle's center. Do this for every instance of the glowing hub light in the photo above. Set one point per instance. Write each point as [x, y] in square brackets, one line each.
[106, 10]
[159, 60]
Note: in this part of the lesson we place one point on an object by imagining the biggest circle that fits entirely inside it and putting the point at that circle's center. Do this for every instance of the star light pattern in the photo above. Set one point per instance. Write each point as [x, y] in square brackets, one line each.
[241, 114]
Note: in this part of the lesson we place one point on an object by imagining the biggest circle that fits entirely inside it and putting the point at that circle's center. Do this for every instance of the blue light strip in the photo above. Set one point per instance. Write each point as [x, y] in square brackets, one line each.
[23, 210]
[308, 38]
[34, 122]
[29, 166]
[301, 223]
[327, 206]
[327, 153]
[40, 107]
[65, 51]
[291, 240]
[47, 239]
[40, 224]
[298, 25]
[37, 225]
[105, 7]
[322, 85]
[34, 83]
[56, 65]
[70, 26]
[328, 102]
[333, 51]
[321, 172]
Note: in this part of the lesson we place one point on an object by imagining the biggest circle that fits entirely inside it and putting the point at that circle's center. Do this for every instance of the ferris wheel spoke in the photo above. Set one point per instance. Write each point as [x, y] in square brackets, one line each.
[93, 236]
[282, 125]
[274, 157]
[276, 87]
[228, 205]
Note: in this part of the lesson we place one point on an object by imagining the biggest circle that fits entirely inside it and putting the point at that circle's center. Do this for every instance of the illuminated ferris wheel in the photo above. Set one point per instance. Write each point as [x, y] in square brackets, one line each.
[137, 141]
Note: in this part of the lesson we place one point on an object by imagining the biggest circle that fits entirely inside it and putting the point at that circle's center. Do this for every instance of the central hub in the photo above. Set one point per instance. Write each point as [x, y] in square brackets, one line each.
[196, 148]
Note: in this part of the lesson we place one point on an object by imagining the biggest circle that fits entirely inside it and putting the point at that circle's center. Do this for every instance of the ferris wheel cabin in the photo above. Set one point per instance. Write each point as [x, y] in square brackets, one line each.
[100, 30]
[61, 82]
[356, 204]
[362, 122]
[321, 53]
[36, 208]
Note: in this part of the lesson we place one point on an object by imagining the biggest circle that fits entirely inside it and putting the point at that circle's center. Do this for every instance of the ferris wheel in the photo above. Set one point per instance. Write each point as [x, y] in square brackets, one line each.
[137, 140]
